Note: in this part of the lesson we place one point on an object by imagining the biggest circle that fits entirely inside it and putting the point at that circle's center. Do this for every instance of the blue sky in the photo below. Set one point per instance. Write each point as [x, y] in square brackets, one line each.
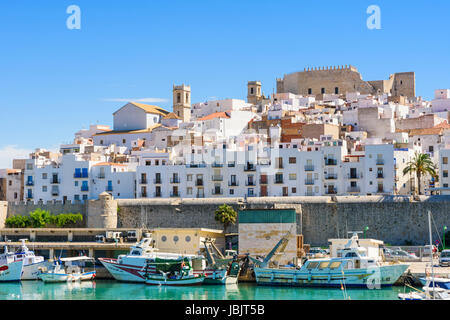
[55, 81]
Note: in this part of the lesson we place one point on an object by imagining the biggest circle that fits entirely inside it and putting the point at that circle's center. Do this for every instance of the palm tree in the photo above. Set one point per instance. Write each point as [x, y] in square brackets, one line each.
[226, 215]
[421, 165]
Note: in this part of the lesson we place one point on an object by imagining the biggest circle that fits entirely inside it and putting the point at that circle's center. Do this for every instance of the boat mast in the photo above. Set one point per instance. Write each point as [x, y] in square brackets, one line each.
[431, 250]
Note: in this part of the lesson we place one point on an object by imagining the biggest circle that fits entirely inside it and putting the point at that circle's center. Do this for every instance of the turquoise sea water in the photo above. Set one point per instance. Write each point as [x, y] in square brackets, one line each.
[113, 290]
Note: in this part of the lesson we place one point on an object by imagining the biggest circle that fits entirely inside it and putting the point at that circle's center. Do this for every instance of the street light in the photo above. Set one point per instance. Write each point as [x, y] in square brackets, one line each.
[365, 229]
[445, 228]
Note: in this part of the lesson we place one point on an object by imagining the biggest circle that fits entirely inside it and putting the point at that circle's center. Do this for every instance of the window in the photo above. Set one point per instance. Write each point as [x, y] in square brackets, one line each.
[189, 177]
[251, 90]
[312, 265]
[322, 90]
[335, 265]
[294, 190]
[44, 176]
[29, 166]
[124, 141]
[85, 196]
[15, 195]
[445, 185]
[336, 90]
[189, 190]
[148, 163]
[178, 97]
[231, 191]
[445, 160]
[309, 91]
[76, 183]
[292, 160]
[292, 176]
[324, 264]
[445, 173]
[44, 188]
[10, 183]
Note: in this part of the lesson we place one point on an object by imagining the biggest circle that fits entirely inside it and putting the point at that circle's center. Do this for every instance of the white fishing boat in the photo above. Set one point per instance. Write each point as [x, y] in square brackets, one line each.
[428, 293]
[131, 267]
[31, 262]
[11, 266]
[351, 268]
[68, 270]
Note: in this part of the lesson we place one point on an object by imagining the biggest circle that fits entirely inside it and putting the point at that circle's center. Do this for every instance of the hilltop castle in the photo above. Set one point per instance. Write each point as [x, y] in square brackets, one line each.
[342, 79]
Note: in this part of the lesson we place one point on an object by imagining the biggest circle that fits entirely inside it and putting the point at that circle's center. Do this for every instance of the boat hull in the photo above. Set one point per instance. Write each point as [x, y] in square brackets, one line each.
[368, 278]
[440, 283]
[190, 281]
[11, 271]
[31, 271]
[131, 273]
[64, 277]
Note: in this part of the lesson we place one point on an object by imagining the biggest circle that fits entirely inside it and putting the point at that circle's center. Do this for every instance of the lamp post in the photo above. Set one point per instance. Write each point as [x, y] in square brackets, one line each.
[365, 229]
[445, 228]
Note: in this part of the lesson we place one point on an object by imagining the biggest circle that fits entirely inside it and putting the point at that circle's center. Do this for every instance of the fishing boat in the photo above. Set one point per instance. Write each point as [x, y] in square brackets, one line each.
[132, 267]
[172, 273]
[352, 268]
[11, 266]
[220, 269]
[31, 262]
[428, 293]
[443, 283]
[68, 270]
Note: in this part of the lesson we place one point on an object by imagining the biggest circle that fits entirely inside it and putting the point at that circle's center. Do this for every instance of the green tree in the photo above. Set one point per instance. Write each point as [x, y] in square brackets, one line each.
[226, 215]
[421, 165]
[39, 218]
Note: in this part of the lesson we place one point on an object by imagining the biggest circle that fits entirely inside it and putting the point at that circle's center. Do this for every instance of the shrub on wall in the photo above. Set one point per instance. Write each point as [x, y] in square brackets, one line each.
[43, 218]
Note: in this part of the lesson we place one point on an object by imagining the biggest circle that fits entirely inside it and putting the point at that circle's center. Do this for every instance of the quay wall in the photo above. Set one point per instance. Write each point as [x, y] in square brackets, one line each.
[55, 207]
[397, 220]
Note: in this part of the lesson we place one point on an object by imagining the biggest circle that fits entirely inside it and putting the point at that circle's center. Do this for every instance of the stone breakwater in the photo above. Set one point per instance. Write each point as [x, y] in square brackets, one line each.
[397, 220]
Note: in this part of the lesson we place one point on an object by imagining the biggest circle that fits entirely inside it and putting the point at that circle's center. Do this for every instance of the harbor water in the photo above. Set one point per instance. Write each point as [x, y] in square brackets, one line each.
[113, 290]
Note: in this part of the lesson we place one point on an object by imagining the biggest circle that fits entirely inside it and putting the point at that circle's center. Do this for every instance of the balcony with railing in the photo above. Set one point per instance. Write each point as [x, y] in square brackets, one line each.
[380, 162]
[157, 194]
[55, 181]
[174, 194]
[331, 176]
[200, 195]
[309, 182]
[199, 182]
[354, 175]
[29, 183]
[309, 167]
[233, 183]
[157, 180]
[143, 194]
[330, 162]
[101, 176]
[353, 189]
[380, 175]
[217, 178]
[331, 191]
[175, 180]
[250, 183]
[55, 192]
[217, 191]
[278, 180]
[249, 167]
[251, 195]
[217, 165]
[143, 181]
[84, 188]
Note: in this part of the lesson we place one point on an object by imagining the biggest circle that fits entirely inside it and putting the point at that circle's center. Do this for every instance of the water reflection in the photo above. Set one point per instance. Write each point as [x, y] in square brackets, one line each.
[112, 290]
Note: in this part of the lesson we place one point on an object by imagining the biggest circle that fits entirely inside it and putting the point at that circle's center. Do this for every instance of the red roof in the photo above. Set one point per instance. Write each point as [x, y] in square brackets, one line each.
[216, 115]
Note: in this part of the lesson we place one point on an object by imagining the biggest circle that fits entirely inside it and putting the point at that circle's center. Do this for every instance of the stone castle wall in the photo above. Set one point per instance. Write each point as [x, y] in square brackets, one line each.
[394, 219]
[397, 220]
[346, 79]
